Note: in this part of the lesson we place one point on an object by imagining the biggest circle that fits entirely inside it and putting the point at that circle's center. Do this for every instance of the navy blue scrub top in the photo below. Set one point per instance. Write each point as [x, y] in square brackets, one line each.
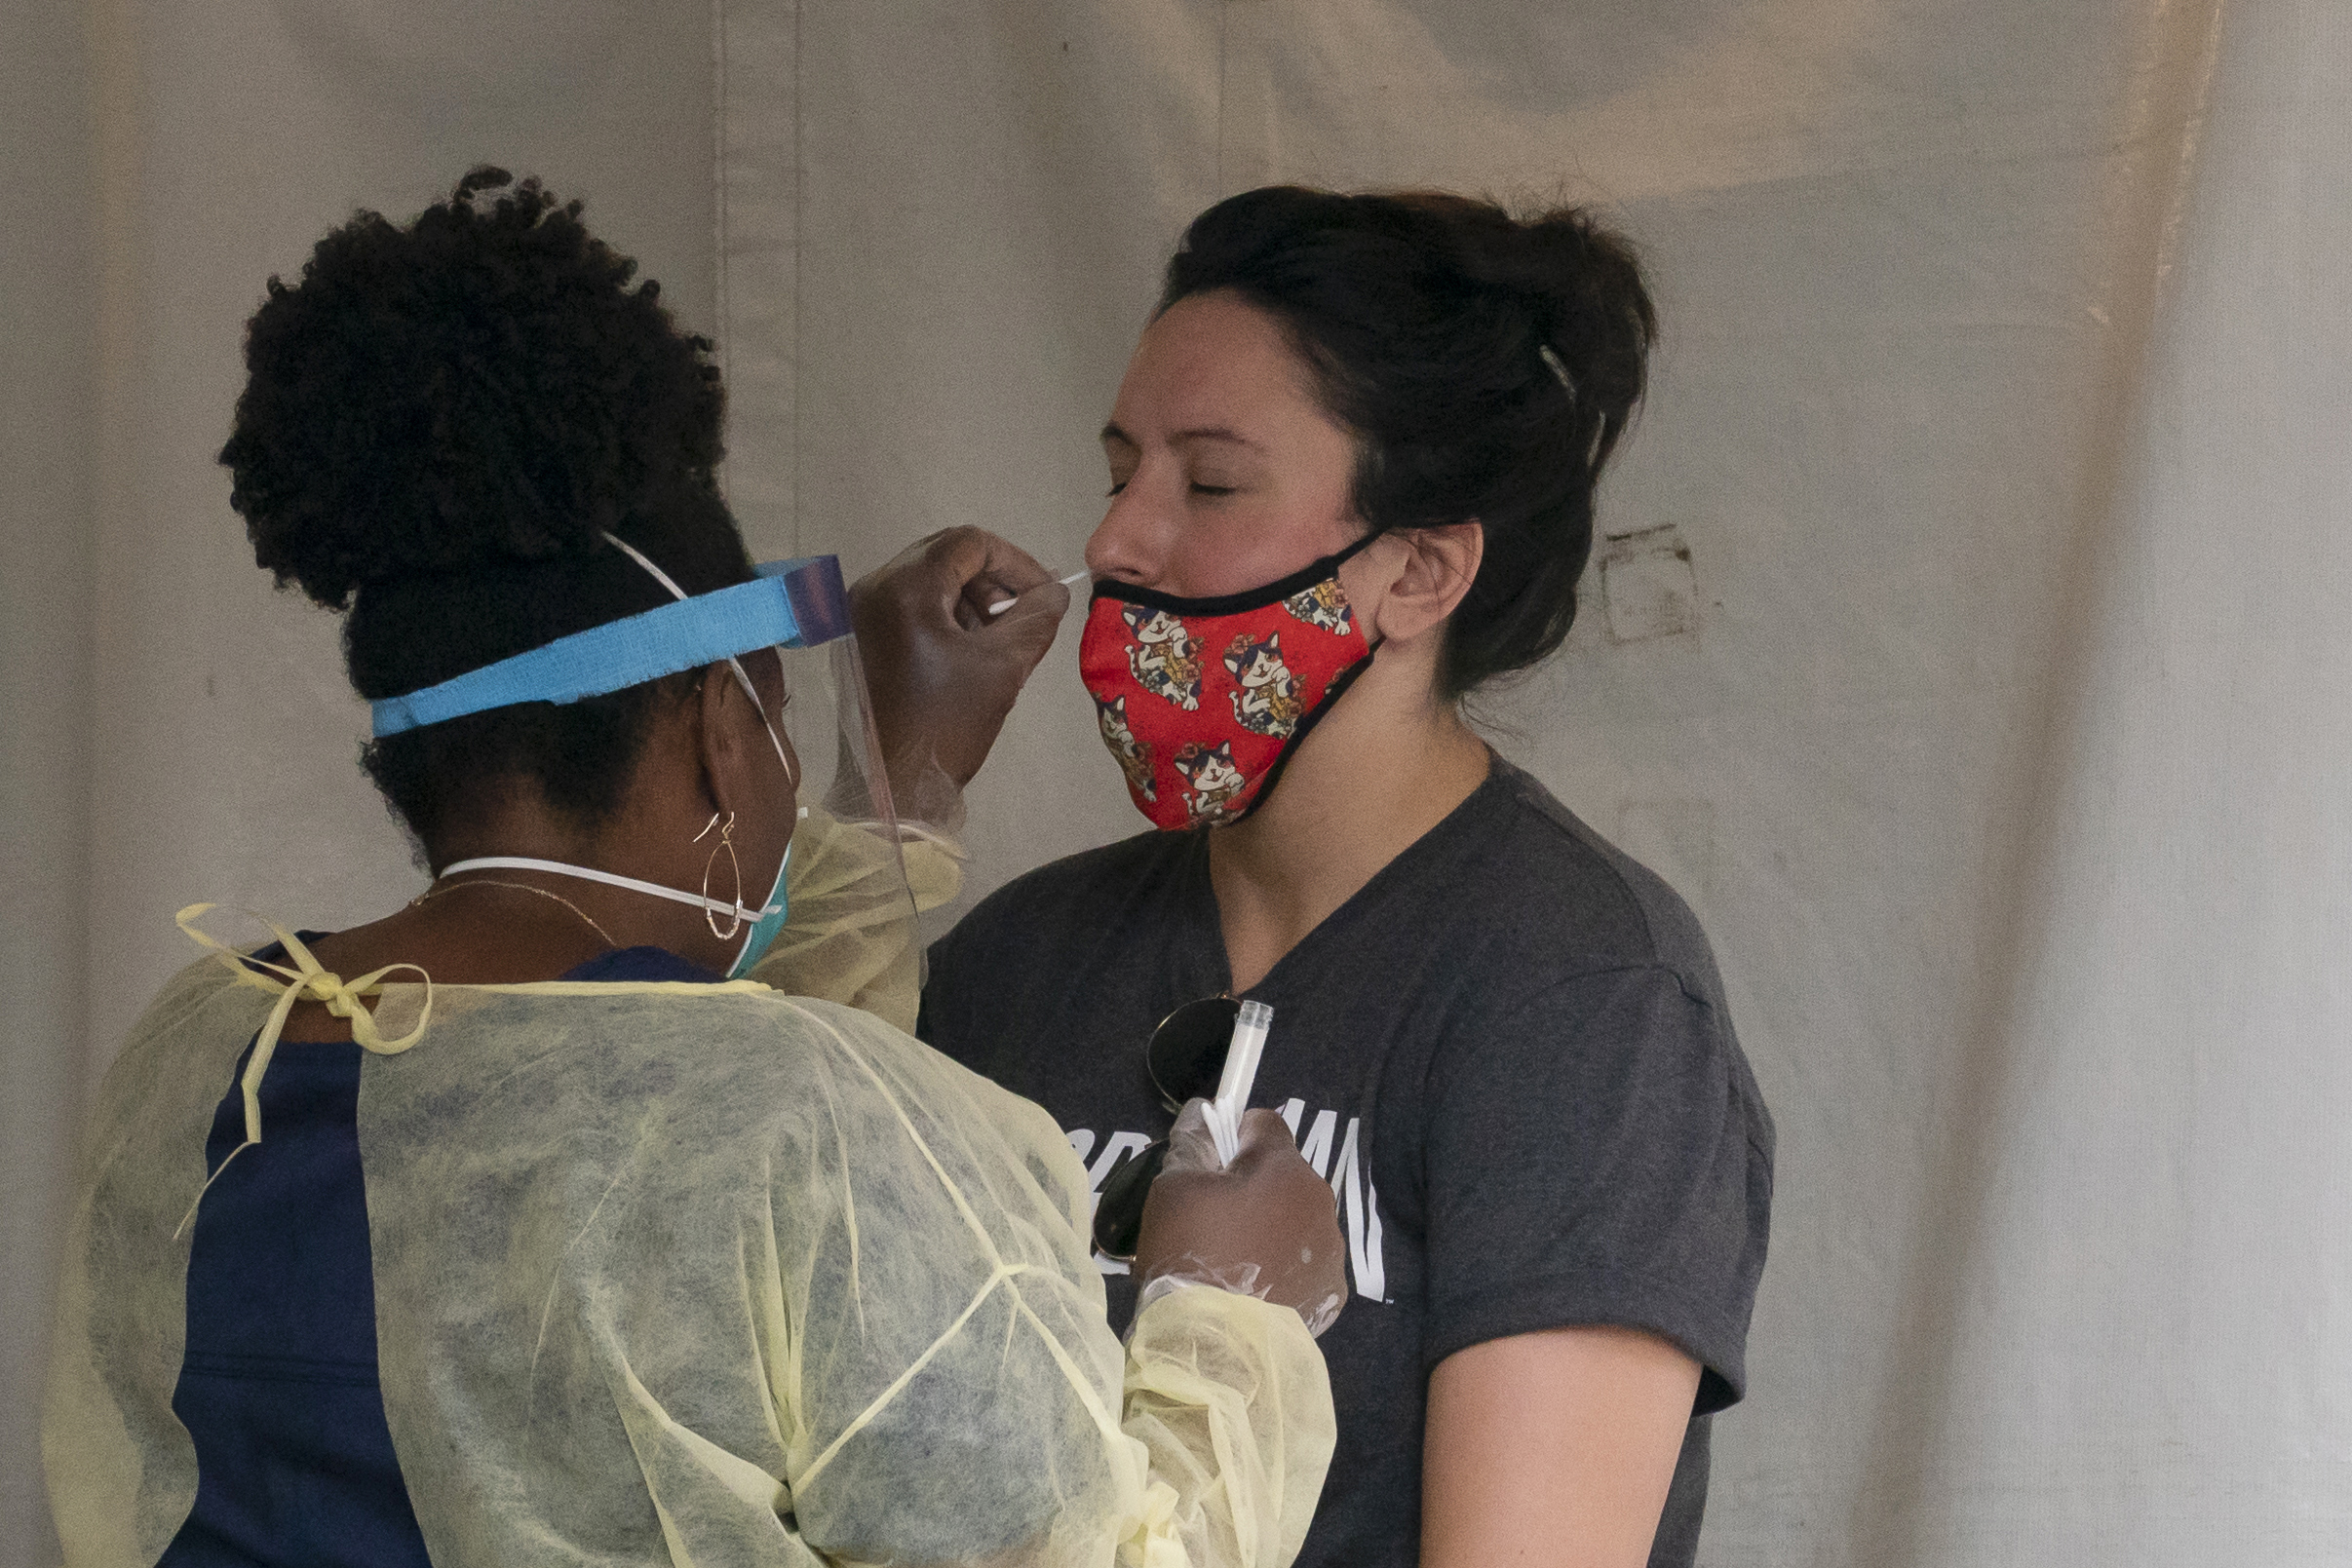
[294, 1459]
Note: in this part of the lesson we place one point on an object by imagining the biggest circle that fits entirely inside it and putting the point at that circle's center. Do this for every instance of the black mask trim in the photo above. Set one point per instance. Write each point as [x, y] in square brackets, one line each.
[1251, 599]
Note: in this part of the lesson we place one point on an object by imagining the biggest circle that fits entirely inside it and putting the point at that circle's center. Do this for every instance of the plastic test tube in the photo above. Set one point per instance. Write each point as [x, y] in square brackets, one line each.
[1072, 581]
[1241, 1073]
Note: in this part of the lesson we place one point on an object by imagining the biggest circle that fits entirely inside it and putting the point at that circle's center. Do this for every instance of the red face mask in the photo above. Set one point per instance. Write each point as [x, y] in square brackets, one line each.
[1203, 701]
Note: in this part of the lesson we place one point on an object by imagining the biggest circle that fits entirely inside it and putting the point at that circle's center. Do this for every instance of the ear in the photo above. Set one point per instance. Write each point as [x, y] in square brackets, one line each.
[1411, 585]
[718, 739]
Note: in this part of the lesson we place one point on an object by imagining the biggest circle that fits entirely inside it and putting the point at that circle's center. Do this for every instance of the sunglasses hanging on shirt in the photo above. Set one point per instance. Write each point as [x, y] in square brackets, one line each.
[1183, 1060]
[1188, 1051]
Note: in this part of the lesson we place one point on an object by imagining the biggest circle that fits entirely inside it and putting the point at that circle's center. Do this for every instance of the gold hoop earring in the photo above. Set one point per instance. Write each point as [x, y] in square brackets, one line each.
[726, 841]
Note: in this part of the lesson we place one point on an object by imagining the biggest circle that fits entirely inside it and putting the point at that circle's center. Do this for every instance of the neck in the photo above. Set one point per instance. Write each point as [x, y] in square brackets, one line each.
[499, 933]
[633, 843]
[1386, 764]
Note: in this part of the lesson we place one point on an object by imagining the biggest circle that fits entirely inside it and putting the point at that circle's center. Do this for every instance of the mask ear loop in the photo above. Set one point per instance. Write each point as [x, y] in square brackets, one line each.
[726, 841]
[743, 676]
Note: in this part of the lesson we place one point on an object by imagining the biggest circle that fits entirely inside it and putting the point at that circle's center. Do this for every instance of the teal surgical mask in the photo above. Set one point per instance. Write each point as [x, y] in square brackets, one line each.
[762, 934]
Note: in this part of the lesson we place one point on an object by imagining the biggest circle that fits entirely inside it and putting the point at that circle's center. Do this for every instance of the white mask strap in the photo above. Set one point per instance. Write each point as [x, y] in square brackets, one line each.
[611, 879]
[742, 677]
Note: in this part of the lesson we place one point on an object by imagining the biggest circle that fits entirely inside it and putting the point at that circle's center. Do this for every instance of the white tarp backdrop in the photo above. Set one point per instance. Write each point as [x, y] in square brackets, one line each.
[1973, 653]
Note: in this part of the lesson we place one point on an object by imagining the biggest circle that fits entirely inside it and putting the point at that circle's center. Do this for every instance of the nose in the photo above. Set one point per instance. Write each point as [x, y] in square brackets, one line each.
[1132, 542]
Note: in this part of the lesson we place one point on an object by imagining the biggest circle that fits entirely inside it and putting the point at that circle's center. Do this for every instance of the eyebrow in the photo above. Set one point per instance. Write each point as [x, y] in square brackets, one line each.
[1199, 433]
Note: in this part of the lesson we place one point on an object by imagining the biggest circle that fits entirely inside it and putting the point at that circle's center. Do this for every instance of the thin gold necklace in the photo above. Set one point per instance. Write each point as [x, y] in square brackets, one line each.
[518, 887]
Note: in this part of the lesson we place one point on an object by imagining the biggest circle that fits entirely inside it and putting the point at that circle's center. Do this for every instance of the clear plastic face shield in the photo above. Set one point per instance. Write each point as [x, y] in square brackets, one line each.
[787, 638]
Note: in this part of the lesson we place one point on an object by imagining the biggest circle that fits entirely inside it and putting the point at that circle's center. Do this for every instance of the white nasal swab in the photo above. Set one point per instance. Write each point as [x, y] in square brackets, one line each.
[1072, 581]
[1240, 1073]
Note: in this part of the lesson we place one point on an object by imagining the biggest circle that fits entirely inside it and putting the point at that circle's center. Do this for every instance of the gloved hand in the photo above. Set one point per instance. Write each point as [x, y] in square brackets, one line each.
[943, 672]
[1265, 1226]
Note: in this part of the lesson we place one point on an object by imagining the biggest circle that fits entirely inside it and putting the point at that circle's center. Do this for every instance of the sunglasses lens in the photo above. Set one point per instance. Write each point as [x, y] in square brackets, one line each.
[1119, 1216]
[1188, 1051]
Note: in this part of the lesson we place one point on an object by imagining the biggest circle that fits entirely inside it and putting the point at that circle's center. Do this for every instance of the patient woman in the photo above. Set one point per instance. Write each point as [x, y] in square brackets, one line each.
[1352, 472]
[585, 1251]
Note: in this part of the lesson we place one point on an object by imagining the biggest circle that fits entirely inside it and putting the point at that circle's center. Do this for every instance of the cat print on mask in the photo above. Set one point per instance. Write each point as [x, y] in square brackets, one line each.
[1135, 757]
[1162, 657]
[1323, 605]
[1267, 701]
[1214, 779]
[1201, 698]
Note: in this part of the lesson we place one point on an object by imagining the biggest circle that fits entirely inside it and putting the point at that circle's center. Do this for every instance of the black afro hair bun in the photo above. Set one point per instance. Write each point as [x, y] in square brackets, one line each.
[479, 387]
[439, 423]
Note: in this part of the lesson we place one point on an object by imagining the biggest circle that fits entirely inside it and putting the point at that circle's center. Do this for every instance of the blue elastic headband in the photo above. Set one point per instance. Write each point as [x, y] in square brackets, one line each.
[793, 604]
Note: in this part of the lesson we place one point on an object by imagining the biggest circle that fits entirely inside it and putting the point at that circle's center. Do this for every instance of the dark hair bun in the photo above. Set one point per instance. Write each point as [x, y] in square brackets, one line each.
[1487, 365]
[1582, 288]
[480, 386]
[439, 422]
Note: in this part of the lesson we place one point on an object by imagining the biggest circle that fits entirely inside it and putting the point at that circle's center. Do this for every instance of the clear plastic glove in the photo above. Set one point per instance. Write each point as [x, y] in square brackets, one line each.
[943, 672]
[1265, 1226]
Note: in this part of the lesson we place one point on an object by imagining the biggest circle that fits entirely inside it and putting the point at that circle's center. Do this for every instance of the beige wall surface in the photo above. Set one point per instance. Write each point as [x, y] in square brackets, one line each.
[46, 394]
[174, 730]
[1992, 722]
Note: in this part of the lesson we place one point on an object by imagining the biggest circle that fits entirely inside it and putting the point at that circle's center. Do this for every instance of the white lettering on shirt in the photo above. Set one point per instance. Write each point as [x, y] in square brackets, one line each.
[1351, 1180]
[1361, 1208]
[1117, 1144]
[1316, 1147]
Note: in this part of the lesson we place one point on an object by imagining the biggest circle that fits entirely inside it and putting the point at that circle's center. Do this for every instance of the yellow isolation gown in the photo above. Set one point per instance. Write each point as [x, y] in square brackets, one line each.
[693, 1275]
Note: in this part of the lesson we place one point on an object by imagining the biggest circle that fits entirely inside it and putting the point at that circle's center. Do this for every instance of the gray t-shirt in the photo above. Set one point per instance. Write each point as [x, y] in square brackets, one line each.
[1507, 1051]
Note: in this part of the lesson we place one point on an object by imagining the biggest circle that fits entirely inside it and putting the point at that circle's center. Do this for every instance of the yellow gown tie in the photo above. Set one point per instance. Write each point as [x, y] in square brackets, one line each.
[304, 979]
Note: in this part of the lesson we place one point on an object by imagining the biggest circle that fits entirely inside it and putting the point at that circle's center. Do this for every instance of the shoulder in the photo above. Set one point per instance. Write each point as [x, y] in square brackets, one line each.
[173, 1066]
[199, 982]
[203, 1011]
[884, 1059]
[1564, 901]
[1596, 969]
[687, 1041]
[875, 1074]
[755, 1069]
[742, 1036]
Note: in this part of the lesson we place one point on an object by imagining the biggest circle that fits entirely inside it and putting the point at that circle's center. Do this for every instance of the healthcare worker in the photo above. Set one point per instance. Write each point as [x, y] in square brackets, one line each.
[1352, 473]
[520, 1226]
